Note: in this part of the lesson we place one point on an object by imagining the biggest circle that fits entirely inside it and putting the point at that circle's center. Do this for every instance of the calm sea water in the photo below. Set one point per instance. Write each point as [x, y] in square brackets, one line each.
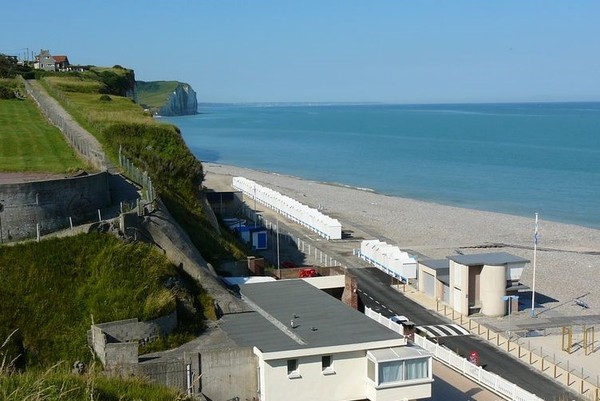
[510, 158]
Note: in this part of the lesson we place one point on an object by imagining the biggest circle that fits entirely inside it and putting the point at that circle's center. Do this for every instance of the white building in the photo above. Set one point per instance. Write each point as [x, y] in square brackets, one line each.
[478, 283]
[310, 346]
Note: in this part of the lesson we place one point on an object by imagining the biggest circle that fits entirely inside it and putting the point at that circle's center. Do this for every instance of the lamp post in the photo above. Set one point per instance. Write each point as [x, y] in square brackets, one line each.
[1, 210]
[535, 241]
[510, 299]
[278, 264]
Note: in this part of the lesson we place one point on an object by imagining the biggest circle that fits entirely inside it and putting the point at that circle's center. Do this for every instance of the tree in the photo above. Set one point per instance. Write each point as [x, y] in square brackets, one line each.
[8, 66]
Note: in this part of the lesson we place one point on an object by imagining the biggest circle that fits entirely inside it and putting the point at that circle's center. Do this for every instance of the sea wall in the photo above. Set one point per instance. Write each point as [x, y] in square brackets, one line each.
[48, 205]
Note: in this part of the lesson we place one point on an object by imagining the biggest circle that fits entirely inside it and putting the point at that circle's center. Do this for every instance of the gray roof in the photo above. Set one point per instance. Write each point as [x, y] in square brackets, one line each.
[436, 264]
[490, 259]
[441, 267]
[269, 329]
[444, 278]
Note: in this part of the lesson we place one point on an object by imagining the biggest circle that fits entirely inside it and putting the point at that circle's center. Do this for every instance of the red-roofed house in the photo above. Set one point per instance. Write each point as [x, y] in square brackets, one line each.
[45, 61]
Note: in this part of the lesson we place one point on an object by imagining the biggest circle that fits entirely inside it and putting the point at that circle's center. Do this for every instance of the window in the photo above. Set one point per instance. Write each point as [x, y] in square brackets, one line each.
[292, 368]
[401, 370]
[327, 364]
[415, 369]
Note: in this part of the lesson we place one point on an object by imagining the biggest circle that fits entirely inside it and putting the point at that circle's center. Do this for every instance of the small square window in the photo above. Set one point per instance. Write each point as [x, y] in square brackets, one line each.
[292, 368]
[327, 364]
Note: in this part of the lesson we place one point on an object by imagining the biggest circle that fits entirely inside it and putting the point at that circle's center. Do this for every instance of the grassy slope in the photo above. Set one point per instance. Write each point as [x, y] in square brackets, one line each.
[155, 147]
[52, 290]
[154, 94]
[56, 384]
[29, 143]
[41, 292]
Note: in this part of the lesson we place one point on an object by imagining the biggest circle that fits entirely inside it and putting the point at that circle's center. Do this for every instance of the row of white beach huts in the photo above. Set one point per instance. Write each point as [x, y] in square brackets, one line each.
[389, 258]
[386, 257]
[299, 213]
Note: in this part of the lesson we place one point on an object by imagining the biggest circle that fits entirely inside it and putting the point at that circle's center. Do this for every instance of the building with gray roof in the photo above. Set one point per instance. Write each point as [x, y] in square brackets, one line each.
[484, 282]
[311, 346]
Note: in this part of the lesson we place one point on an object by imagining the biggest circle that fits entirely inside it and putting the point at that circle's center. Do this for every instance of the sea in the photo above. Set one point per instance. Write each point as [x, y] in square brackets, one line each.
[518, 159]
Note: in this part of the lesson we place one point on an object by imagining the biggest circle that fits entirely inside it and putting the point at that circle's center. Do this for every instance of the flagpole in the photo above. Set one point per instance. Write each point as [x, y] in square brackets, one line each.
[535, 240]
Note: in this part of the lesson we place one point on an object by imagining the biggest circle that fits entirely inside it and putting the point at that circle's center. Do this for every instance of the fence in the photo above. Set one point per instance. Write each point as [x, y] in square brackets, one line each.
[84, 143]
[489, 380]
[139, 177]
[562, 371]
[310, 251]
[87, 146]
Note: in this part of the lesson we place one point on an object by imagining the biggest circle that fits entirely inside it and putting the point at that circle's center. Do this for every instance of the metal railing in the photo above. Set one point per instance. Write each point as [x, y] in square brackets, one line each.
[584, 382]
[476, 373]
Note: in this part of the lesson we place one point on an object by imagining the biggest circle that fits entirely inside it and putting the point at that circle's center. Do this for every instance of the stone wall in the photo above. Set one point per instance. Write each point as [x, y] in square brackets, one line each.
[49, 204]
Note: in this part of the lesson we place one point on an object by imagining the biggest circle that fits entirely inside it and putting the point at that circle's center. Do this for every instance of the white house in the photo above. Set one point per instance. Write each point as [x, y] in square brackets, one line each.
[310, 346]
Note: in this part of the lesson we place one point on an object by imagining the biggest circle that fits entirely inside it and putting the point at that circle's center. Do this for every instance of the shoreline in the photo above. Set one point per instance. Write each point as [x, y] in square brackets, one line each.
[567, 258]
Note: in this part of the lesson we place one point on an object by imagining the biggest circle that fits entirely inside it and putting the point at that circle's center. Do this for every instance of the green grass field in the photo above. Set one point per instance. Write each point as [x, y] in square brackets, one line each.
[29, 143]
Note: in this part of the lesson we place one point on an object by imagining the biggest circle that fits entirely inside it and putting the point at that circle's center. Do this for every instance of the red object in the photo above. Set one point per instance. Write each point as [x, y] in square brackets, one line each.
[474, 358]
[307, 273]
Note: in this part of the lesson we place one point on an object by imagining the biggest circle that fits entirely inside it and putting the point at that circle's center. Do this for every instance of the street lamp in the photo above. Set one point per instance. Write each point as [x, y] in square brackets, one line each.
[1, 210]
[510, 299]
[278, 264]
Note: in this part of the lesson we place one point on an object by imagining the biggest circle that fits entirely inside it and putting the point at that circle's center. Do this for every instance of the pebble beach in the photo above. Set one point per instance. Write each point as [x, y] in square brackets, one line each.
[567, 259]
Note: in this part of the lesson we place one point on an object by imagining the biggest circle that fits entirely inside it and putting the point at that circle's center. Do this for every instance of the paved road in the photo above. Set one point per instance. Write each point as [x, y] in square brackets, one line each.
[376, 292]
[376, 284]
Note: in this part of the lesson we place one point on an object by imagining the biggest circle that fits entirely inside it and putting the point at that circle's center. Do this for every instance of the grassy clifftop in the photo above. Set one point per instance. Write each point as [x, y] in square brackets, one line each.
[154, 94]
[153, 146]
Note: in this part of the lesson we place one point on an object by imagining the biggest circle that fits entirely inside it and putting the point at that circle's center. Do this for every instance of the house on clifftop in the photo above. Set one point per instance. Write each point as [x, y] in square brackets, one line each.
[47, 62]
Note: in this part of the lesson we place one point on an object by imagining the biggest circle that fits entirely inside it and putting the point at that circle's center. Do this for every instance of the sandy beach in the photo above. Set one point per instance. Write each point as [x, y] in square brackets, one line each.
[568, 256]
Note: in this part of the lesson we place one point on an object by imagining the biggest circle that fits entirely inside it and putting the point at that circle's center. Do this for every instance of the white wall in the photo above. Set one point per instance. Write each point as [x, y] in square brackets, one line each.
[459, 287]
[347, 383]
[408, 392]
[326, 282]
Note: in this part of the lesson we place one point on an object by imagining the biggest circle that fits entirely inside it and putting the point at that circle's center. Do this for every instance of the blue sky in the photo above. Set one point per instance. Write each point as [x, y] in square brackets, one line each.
[398, 51]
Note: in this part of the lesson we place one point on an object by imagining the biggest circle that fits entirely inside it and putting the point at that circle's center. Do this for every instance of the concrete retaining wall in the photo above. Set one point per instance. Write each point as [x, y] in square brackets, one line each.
[225, 374]
[170, 373]
[117, 343]
[49, 204]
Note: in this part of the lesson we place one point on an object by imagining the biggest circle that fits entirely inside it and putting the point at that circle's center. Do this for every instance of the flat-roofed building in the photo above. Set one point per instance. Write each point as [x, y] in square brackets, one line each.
[434, 279]
[310, 346]
[481, 282]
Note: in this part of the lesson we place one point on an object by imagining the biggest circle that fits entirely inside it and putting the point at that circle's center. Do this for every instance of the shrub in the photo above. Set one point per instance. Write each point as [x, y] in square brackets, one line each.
[7, 93]
[105, 98]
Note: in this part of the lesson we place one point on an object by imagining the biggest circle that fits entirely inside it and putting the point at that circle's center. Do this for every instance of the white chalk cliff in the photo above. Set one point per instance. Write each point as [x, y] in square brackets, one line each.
[181, 102]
